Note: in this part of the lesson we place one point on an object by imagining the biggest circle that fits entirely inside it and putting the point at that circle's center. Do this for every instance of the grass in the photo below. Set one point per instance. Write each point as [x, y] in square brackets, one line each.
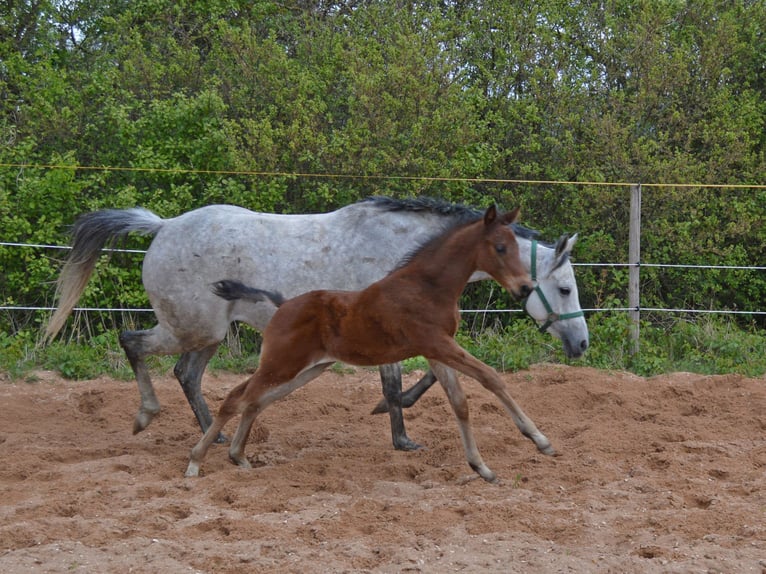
[707, 345]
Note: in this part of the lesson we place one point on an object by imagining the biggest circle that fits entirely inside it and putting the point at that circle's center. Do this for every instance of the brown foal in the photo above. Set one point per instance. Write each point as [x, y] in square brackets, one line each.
[412, 311]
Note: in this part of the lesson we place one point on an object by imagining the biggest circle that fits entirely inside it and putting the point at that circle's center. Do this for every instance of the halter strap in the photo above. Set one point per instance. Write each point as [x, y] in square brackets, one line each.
[552, 317]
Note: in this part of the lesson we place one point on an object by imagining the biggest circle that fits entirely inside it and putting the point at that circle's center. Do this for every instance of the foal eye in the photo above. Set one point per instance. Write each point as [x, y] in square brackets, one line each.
[565, 291]
[500, 248]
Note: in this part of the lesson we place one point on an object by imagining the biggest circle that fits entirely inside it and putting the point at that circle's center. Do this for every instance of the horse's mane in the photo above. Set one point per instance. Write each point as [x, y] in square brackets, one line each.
[455, 214]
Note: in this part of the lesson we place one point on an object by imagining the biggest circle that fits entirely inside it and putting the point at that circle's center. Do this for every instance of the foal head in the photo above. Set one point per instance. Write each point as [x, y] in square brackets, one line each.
[499, 253]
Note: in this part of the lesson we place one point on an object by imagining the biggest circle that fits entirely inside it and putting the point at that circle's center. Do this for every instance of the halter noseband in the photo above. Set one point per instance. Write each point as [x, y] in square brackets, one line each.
[552, 317]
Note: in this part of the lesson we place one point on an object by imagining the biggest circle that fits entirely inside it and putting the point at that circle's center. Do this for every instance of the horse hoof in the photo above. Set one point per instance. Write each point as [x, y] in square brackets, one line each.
[407, 444]
[142, 420]
[222, 439]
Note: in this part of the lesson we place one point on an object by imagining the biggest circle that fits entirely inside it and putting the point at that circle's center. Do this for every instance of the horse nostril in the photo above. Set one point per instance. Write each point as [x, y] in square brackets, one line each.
[525, 290]
[584, 344]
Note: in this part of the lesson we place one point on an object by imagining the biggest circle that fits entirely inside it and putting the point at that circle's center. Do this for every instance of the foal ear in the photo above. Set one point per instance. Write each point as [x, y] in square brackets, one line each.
[490, 215]
[511, 216]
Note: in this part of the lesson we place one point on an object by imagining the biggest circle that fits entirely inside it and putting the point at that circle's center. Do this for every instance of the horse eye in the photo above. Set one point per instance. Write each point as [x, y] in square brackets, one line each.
[565, 291]
[500, 248]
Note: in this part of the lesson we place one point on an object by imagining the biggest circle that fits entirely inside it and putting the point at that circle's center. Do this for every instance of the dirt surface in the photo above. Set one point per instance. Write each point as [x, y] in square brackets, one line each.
[666, 474]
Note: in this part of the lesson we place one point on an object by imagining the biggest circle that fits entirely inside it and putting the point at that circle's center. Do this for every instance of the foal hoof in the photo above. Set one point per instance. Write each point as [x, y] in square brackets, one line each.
[491, 478]
[142, 420]
[549, 450]
[484, 471]
[192, 470]
[241, 462]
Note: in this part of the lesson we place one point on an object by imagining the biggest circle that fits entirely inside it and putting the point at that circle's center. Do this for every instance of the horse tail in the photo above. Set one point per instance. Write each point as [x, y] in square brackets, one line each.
[231, 290]
[90, 233]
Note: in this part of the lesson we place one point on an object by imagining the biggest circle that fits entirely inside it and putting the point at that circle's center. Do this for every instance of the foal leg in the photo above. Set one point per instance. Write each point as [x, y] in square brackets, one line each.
[391, 379]
[248, 398]
[268, 396]
[229, 408]
[457, 358]
[457, 400]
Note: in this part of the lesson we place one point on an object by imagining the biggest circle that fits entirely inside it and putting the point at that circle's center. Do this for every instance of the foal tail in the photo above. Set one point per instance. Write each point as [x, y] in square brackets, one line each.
[90, 233]
[232, 290]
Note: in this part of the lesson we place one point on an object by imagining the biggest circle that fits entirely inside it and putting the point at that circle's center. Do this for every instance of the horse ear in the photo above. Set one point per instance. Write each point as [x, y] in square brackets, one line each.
[511, 216]
[565, 244]
[490, 215]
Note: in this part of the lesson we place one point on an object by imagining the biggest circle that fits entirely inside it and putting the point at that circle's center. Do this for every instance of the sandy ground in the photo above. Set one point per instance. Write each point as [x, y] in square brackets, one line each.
[666, 474]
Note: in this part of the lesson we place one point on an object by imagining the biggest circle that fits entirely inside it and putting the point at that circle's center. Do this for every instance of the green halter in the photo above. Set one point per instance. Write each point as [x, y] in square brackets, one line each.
[552, 317]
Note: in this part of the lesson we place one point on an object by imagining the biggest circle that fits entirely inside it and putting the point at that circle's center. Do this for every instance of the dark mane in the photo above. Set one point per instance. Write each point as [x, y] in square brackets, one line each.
[455, 215]
[458, 212]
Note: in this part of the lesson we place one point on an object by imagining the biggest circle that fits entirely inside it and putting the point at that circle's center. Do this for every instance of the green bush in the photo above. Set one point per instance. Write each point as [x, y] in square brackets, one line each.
[306, 109]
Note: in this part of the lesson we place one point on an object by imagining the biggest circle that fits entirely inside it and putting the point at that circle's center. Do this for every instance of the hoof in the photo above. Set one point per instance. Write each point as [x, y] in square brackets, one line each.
[496, 481]
[142, 420]
[222, 439]
[406, 444]
[240, 462]
[491, 477]
[192, 470]
[549, 450]
[484, 472]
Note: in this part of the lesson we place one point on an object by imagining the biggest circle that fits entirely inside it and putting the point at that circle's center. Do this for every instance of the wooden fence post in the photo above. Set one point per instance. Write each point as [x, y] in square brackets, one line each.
[634, 259]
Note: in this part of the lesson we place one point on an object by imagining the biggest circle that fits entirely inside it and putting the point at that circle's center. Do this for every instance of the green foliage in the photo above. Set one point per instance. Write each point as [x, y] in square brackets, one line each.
[413, 364]
[709, 345]
[305, 107]
[239, 351]
[14, 352]
[20, 356]
[609, 340]
[704, 345]
[511, 348]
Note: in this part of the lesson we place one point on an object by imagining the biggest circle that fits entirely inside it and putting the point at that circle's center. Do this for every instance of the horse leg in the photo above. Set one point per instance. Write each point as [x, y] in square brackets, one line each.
[189, 370]
[137, 346]
[391, 379]
[411, 395]
[457, 358]
[132, 343]
[459, 403]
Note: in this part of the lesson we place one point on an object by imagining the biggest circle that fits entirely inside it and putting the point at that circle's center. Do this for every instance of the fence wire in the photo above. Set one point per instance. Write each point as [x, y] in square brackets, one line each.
[475, 311]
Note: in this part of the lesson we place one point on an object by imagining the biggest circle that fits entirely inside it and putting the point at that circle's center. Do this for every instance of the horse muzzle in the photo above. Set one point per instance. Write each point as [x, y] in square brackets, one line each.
[575, 349]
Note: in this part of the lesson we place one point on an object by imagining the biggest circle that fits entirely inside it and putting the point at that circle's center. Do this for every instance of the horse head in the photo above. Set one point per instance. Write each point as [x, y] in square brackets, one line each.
[554, 303]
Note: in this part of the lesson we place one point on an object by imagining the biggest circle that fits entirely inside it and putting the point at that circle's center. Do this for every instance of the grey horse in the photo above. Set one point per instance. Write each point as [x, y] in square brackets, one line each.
[348, 249]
